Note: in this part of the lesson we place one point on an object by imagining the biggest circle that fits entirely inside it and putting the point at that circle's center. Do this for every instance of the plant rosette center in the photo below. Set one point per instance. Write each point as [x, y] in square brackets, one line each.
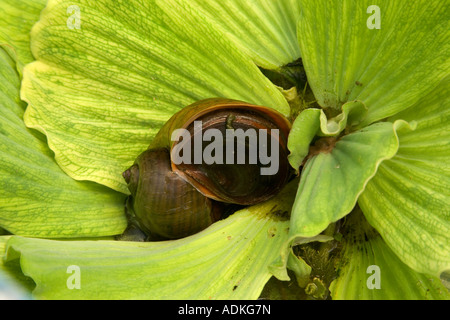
[86, 87]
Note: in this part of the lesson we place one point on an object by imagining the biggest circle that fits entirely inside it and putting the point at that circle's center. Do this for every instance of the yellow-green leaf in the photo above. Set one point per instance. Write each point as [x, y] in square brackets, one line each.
[15, 25]
[229, 260]
[101, 92]
[264, 29]
[408, 201]
[389, 68]
[37, 198]
[369, 270]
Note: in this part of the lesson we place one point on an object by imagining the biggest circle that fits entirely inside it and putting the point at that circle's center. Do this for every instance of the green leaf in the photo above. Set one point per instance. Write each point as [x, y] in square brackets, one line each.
[408, 201]
[369, 270]
[228, 260]
[36, 198]
[306, 126]
[304, 129]
[388, 69]
[265, 30]
[332, 180]
[288, 260]
[351, 115]
[100, 94]
[13, 284]
[17, 19]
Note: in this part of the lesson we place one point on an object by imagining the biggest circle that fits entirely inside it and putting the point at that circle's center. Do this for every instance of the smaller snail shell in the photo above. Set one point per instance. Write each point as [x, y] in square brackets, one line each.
[167, 200]
[173, 201]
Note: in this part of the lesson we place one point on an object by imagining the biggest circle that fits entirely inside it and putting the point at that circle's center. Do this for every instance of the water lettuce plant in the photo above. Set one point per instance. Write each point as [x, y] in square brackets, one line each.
[85, 86]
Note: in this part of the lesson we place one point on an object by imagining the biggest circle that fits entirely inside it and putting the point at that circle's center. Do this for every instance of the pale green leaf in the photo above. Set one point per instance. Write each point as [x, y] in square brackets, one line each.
[288, 260]
[388, 69]
[369, 270]
[15, 25]
[306, 126]
[408, 201]
[36, 198]
[264, 29]
[332, 180]
[352, 113]
[13, 284]
[101, 92]
[228, 260]
[304, 129]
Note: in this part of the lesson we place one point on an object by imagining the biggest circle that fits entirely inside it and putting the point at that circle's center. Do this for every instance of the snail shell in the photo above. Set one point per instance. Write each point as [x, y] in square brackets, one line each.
[171, 200]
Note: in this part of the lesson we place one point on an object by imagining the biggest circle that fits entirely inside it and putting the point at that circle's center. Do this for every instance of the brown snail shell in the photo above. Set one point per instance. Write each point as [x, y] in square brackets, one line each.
[170, 200]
